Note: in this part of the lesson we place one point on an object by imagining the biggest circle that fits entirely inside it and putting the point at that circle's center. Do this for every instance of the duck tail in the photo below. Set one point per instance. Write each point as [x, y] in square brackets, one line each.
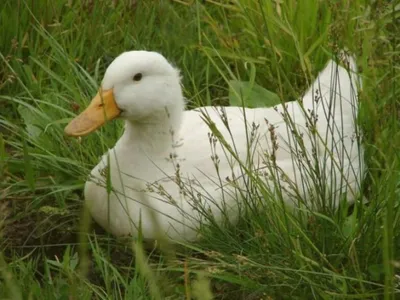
[337, 84]
[348, 62]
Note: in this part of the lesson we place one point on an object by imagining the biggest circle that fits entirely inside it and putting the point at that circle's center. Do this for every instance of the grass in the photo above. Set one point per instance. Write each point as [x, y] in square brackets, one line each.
[53, 56]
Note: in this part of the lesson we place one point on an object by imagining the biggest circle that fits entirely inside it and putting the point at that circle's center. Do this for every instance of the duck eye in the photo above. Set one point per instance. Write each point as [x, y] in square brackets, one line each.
[137, 77]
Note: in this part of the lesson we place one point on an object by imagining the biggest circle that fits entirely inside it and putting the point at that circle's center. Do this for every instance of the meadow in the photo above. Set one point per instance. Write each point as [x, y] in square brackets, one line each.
[53, 55]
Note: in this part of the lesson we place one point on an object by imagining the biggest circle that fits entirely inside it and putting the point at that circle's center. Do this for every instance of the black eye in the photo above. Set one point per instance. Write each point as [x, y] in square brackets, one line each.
[137, 77]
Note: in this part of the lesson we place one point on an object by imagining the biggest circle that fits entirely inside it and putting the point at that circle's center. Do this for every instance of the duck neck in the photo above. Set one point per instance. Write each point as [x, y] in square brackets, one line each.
[156, 133]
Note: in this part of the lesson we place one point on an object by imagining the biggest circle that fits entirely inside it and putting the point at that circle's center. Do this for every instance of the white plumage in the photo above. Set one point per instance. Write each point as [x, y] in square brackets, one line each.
[167, 159]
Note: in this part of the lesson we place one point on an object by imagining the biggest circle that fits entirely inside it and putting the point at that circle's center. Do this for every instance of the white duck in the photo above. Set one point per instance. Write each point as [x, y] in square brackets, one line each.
[162, 171]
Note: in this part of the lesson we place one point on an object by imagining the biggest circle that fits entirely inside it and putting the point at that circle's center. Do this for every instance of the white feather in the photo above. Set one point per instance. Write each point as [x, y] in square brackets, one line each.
[161, 168]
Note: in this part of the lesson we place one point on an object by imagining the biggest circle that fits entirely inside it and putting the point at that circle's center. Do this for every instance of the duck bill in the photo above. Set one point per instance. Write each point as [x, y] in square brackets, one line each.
[103, 108]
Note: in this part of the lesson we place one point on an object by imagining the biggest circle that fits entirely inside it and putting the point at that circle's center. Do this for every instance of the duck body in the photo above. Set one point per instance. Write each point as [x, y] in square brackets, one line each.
[170, 172]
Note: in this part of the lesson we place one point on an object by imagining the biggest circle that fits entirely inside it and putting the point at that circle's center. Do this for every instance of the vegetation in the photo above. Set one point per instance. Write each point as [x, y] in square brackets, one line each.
[53, 55]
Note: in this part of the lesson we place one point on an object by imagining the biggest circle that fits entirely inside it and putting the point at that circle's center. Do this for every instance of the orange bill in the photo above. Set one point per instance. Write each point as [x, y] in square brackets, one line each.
[102, 108]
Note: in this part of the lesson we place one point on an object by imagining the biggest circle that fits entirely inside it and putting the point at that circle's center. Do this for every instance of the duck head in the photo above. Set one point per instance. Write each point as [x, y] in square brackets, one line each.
[138, 86]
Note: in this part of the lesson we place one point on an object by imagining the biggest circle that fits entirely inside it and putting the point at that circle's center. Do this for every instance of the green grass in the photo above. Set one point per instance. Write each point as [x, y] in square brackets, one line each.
[53, 56]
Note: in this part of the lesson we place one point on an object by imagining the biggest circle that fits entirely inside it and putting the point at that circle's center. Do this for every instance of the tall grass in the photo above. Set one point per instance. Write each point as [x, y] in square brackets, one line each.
[53, 56]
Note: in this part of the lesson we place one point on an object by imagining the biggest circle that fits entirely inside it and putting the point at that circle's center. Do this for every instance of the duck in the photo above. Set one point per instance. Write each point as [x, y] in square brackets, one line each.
[173, 170]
